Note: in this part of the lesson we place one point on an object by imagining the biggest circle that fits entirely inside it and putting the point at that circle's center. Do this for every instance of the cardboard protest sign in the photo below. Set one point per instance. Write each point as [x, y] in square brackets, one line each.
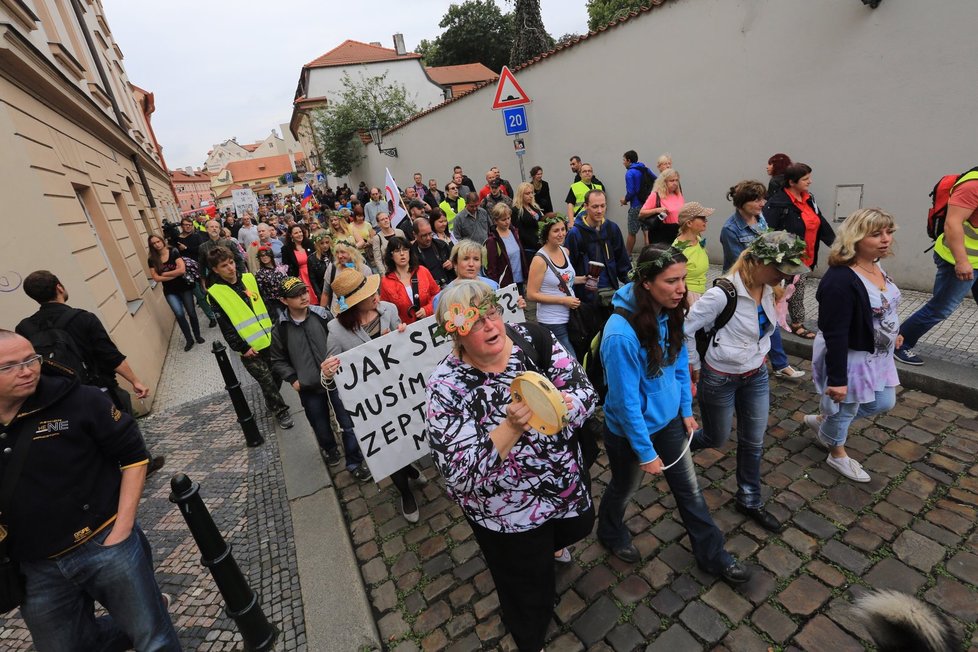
[382, 386]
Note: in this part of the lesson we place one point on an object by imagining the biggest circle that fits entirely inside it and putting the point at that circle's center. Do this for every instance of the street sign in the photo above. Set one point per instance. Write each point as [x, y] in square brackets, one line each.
[514, 120]
[508, 92]
[288, 178]
[519, 146]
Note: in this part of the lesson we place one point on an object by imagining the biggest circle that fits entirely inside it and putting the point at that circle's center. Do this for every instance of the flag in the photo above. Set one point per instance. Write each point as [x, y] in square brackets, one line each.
[394, 205]
[307, 197]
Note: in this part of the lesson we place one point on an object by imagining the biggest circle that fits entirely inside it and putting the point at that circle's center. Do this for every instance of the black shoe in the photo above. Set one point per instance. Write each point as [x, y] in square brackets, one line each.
[762, 517]
[189, 345]
[409, 508]
[735, 573]
[212, 323]
[627, 553]
[156, 463]
[361, 473]
[285, 421]
[332, 458]
[200, 340]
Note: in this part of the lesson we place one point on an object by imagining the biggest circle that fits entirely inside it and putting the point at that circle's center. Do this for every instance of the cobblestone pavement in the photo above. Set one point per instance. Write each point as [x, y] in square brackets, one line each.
[245, 492]
[911, 528]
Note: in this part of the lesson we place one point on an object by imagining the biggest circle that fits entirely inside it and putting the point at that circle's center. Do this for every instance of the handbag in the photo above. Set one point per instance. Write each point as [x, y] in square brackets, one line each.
[583, 322]
[13, 586]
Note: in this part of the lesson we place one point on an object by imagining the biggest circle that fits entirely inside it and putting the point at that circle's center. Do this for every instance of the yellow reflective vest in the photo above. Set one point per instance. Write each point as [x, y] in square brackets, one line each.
[451, 212]
[580, 189]
[252, 322]
[970, 233]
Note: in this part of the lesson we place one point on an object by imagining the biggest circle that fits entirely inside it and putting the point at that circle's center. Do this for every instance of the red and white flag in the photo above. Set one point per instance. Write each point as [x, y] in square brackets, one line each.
[393, 195]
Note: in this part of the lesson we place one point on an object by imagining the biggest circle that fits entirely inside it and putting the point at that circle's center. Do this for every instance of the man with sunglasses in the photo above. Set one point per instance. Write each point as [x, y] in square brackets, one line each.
[79, 465]
[453, 203]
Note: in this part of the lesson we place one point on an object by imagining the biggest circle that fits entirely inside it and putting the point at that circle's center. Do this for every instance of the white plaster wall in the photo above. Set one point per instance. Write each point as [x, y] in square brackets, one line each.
[881, 97]
[328, 82]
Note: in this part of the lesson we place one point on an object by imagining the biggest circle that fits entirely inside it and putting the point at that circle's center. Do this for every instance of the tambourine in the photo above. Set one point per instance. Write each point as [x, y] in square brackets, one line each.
[549, 412]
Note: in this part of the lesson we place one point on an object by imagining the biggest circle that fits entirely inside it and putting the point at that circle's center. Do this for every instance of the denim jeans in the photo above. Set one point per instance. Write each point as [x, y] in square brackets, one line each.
[317, 407]
[949, 292]
[720, 397]
[626, 476]
[560, 332]
[835, 428]
[182, 306]
[779, 360]
[59, 608]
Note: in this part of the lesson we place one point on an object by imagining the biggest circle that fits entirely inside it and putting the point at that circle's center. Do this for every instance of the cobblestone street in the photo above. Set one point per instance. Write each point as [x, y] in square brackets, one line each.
[912, 528]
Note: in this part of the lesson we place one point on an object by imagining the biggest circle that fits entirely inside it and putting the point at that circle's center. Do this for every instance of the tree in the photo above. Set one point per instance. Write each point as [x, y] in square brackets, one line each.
[361, 104]
[567, 38]
[602, 12]
[428, 51]
[530, 39]
[475, 31]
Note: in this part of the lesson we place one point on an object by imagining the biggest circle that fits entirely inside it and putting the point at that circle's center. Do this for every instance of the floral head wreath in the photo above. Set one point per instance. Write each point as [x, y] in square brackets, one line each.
[459, 319]
[553, 219]
[316, 237]
[777, 247]
[668, 256]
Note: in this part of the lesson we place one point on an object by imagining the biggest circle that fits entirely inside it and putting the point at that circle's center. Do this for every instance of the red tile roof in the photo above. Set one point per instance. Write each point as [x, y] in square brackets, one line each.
[252, 147]
[181, 176]
[464, 74]
[349, 52]
[259, 168]
[227, 191]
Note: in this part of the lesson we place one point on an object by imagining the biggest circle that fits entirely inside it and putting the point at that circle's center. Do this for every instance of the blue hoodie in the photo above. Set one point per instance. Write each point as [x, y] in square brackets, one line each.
[638, 406]
[633, 183]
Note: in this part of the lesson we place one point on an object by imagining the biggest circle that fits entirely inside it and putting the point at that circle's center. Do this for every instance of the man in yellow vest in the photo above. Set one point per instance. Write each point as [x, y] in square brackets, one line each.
[246, 326]
[956, 257]
[578, 189]
[453, 204]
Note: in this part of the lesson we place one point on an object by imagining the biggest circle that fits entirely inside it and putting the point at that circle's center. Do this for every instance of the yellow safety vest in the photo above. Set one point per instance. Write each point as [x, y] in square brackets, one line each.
[970, 233]
[252, 322]
[580, 189]
[449, 212]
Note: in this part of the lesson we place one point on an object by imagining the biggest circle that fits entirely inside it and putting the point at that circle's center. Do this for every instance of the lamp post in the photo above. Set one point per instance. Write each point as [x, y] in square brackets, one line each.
[377, 135]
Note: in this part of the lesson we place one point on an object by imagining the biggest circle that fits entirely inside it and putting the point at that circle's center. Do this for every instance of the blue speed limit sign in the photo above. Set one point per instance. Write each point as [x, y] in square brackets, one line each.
[515, 120]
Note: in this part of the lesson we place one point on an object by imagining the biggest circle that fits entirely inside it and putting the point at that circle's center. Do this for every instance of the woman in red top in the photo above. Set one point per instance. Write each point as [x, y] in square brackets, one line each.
[407, 284]
[793, 209]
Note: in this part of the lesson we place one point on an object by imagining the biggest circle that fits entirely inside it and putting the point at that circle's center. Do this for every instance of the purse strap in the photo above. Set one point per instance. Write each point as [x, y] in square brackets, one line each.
[553, 268]
[14, 469]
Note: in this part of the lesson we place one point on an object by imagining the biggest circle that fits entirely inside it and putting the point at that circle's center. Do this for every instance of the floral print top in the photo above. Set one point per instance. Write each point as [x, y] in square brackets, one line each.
[541, 478]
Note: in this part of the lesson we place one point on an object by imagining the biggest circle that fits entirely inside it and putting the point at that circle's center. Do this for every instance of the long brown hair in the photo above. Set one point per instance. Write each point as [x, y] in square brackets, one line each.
[155, 259]
[646, 318]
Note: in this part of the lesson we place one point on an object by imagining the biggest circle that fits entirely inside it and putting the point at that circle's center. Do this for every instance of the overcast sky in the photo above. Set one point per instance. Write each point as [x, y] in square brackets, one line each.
[226, 68]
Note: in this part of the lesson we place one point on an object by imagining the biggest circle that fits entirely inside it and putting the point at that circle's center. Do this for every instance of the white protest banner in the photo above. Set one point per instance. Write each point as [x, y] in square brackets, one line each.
[244, 199]
[382, 386]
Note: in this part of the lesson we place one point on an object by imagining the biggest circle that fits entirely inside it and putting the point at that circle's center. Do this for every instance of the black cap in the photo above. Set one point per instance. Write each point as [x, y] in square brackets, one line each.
[416, 203]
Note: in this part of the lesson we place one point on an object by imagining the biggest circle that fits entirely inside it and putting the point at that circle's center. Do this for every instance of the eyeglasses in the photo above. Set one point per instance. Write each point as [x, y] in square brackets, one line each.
[17, 366]
[491, 313]
[453, 187]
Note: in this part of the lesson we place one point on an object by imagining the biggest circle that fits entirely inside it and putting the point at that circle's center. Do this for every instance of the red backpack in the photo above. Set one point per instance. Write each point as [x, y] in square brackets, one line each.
[939, 198]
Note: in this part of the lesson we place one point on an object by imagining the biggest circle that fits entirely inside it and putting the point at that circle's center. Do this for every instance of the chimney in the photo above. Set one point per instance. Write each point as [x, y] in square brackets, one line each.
[189, 170]
[377, 43]
[399, 45]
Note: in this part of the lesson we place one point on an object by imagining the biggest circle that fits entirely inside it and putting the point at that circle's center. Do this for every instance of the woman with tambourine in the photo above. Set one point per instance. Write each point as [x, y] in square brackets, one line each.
[501, 412]
[649, 412]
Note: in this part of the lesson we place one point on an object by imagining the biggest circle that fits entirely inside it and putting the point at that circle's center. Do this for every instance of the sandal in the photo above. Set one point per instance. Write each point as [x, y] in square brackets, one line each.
[801, 331]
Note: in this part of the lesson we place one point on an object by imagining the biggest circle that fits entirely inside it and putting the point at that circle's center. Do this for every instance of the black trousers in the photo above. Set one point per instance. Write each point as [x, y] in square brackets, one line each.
[522, 567]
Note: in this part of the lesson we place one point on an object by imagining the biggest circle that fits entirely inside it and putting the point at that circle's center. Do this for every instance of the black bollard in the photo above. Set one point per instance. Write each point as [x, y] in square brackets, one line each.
[241, 603]
[231, 384]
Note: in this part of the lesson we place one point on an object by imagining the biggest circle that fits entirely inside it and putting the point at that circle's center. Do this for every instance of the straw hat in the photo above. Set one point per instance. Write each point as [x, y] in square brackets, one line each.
[351, 287]
[690, 211]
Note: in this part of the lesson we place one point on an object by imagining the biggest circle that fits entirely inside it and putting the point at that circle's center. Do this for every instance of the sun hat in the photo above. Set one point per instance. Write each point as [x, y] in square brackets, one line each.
[691, 210]
[293, 287]
[351, 287]
[781, 249]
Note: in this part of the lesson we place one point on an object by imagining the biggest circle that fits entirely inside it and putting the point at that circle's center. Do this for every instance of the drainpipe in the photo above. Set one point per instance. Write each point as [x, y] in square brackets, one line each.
[134, 158]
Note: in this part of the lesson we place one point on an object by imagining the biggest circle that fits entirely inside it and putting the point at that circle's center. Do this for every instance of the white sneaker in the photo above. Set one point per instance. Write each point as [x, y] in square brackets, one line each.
[814, 422]
[848, 467]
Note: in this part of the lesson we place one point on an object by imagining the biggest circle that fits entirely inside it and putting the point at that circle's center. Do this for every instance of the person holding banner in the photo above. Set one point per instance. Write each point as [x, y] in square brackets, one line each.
[525, 494]
[407, 284]
[649, 410]
[363, 317]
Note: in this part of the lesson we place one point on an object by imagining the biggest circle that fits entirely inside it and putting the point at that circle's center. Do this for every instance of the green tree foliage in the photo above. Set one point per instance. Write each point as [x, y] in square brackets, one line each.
[361, 103]
[530, 39]
[476, 31]
[602, 12]
[428, 51]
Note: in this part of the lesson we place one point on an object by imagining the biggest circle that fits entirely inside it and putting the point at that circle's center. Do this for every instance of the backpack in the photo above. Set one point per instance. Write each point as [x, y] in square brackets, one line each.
[939, 198]
[705, 337]
[645, 185]
[54, 343]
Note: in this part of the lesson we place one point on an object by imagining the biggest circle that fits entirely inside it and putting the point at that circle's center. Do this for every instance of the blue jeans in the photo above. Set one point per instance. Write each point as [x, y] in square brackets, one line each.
[626, 476]
[949, 292]
[182, 306]
[835, 428]
[560, 332]
[720, 397]
[779, 360]
[59, 608]
[317, 406]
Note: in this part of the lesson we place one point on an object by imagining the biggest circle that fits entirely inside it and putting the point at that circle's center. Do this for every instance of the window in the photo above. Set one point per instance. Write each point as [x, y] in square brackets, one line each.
[115, 265]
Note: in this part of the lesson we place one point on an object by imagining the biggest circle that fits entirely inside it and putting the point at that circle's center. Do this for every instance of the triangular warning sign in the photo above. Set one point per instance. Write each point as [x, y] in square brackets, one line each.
[508, 92]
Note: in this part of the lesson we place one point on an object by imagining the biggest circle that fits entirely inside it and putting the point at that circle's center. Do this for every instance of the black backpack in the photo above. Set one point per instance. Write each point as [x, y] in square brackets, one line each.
[645, 186]
[705, 337]
[54, 343]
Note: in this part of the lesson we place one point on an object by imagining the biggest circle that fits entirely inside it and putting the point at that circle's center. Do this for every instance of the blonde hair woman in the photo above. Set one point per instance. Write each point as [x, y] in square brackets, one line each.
[663, 204]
